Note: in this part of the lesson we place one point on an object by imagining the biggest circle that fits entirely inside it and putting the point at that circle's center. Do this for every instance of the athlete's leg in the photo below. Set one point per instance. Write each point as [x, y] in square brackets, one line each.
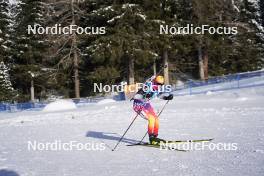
[153, 121]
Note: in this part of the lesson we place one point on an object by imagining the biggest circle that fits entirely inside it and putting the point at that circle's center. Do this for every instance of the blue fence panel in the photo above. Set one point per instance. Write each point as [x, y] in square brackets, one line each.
[21, 107]
[234, 81]
[3, 107]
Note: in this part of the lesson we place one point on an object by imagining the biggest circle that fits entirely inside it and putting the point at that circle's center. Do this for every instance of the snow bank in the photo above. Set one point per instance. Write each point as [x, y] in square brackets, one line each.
[106, 101]
[209, 93]
[60, 105]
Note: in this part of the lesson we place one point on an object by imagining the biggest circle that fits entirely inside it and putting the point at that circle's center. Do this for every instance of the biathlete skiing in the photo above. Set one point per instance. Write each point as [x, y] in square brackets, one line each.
[154, 87]
[151, 89]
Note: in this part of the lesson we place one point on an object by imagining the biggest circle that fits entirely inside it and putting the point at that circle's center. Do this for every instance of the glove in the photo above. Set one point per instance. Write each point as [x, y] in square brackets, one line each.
[170, 97]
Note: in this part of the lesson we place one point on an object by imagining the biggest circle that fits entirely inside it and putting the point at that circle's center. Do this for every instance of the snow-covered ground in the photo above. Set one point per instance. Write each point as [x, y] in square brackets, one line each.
[235, 116]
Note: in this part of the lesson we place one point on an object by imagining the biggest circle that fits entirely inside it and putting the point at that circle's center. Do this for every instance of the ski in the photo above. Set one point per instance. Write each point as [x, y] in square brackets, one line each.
[176, 141]
[196, 140]
[159, 147]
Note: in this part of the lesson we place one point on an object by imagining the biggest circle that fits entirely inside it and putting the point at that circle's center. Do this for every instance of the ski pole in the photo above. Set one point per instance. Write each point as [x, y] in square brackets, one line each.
[125, 132]
[163, 66]
[158, 116]
[161, 69]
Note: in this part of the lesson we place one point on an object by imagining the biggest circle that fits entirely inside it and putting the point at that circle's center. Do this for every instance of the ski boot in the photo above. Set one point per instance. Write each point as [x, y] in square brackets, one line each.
[153, 140]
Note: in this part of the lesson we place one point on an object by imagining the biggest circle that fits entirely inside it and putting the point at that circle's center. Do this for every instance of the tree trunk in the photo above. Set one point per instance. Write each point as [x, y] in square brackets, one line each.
[205, 63]
[166, 67]
[131, 71]
[76, 70]
[75, 56]
[201, 63]
[32, 91]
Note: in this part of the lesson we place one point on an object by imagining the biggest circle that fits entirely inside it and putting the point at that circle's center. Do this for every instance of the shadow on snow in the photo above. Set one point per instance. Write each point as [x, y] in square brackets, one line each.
[109, 136]
[5, 172]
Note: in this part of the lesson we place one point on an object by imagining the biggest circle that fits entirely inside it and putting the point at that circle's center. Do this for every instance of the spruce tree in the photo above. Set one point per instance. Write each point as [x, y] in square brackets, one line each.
[126, 45]
[68, 56]
[248, 43]
[261, 5]
[7, 92]
[5, 21]
[28, 49]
